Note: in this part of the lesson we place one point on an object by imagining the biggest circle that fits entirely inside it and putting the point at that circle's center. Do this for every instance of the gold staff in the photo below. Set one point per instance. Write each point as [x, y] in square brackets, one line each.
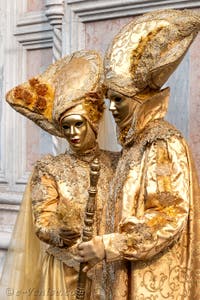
[88, 223]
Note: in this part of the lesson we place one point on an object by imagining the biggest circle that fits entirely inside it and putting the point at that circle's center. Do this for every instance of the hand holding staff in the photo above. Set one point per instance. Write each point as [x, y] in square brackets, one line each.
[88, 223]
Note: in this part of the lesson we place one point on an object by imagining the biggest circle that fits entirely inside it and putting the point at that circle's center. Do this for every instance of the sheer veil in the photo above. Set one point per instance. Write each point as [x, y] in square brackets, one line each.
[107, 132]
[23, 261]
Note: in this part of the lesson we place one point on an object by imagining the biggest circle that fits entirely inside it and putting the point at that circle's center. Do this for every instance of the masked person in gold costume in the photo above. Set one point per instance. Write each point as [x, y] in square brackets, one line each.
[154, 245]
[67, 101]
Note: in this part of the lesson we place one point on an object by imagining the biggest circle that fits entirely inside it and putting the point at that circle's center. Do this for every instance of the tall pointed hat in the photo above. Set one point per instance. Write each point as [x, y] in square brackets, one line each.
[147, 50]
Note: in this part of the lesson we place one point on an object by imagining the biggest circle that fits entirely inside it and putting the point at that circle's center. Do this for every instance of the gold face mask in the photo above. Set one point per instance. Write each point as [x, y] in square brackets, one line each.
[122, 108]
[78, 133]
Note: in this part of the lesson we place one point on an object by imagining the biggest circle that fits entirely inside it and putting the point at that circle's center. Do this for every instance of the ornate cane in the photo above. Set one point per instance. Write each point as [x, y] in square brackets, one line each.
[88, 223]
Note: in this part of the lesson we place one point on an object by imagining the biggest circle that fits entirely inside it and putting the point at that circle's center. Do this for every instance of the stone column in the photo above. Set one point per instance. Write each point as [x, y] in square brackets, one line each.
[55, 13]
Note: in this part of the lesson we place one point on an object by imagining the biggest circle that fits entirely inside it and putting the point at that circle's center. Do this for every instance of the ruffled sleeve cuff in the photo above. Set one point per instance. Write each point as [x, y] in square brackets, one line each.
[113, 244]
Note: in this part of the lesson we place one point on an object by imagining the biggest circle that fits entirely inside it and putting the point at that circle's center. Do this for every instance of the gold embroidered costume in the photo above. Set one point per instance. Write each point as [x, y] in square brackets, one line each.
[154, 245]
[57, 193]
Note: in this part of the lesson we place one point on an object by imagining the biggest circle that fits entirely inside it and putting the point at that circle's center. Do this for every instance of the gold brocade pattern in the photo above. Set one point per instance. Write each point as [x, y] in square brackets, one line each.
[154, 244]
[59, 188]
[147, 50]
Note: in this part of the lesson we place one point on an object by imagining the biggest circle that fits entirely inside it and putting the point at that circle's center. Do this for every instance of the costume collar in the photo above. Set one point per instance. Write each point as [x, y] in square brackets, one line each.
[86, 156]
[151, 109]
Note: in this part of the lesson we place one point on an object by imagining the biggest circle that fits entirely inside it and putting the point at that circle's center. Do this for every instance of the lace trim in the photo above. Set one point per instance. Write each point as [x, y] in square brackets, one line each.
[65, 255]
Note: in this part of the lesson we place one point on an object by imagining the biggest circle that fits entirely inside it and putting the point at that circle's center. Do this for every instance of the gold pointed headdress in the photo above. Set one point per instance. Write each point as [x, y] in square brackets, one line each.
[73, 81]
[147, 50]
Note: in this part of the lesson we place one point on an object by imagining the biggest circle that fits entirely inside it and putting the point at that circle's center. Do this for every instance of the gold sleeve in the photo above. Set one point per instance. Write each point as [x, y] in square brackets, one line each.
[45, 198]
[155, 203]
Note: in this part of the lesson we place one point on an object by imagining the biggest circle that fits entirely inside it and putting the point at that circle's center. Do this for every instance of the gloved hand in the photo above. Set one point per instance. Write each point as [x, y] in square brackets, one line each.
[91, 252]
[68, 236]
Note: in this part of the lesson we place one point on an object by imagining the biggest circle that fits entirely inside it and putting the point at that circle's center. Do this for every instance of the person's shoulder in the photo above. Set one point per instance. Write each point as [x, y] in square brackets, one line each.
[45, 160]
[159, 130]
[173, 144]
[48, 161]
[177, 143]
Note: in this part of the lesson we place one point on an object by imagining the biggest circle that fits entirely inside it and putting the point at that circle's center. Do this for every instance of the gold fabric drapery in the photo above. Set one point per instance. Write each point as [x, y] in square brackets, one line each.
[23, 264]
